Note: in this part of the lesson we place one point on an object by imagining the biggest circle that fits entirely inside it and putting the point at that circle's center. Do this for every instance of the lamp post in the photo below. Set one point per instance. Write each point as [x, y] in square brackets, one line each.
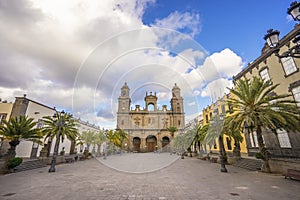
[218, 122]
[58, 119]
[104, 145]
[104, 150]
[272, 36]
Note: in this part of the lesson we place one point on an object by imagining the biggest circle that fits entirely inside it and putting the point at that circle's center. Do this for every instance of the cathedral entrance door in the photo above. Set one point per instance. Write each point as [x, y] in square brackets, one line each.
[151, 143]
[150, 146]
[136, 144]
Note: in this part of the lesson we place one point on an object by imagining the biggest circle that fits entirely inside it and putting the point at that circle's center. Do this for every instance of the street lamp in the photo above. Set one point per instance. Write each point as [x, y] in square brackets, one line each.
[104, 145]
[59, 122]
[272, 36]
[219, 119]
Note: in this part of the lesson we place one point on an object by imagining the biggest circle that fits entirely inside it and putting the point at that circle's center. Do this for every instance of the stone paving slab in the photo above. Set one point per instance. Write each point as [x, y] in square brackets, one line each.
[185, 179]
[139, 162]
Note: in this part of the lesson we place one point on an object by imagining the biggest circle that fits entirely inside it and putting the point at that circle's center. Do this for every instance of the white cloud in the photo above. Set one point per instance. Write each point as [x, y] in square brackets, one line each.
[289, 18]
[221, 64]
[181, 21]
[216, 89]
[79, 54]
[192, 103]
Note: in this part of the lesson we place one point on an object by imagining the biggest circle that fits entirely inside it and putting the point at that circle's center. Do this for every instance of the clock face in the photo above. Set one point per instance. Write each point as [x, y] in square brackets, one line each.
[123, 93]
[123, 108]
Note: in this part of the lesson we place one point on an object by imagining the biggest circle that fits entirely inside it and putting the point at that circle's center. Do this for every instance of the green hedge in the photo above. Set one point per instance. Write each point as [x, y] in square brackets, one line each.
[13, 162]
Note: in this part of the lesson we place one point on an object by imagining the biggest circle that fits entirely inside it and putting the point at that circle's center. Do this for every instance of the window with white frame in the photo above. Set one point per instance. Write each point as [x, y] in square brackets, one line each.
[289, 65]
[296, 94]
[2, 117]
[283, 138]
[40, 123]
[264, 74]
[253, 139]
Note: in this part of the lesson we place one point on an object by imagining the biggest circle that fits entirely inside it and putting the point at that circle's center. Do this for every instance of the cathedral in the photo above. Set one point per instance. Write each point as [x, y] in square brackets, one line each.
[147, 127]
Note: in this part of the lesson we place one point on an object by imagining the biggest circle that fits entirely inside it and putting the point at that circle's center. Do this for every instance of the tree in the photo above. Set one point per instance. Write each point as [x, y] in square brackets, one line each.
[113, 138]
[257, 107]
[117, 137]
[123, 136]
[172, 130]
[234, 134]
[60, 126]
[99, 139]
[88, 137]
[193, 132]
[17, 129]
[201, 134]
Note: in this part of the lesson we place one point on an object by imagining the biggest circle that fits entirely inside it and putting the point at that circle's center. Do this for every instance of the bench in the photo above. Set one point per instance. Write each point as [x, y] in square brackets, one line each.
[81, 157]
[292, 174]
[213, 159]
[69, 159]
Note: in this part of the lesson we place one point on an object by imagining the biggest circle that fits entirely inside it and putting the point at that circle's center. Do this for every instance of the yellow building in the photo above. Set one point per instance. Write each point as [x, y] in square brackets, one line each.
[221, 108]
[5, 110]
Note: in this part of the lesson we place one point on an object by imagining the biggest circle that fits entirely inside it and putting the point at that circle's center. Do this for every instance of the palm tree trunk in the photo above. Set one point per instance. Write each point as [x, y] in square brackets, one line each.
[98, 150]
[11, 152]
[236, 149]
[222, 148]
[72, 148]
[263, 151]
[53, 162]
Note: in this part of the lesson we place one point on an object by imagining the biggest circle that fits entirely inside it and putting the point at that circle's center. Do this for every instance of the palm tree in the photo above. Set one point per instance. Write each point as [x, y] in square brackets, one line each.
[257, 107]
[193, 133]
[17, 129]
[113, 138]
[88, 137]
[99, 139]
[235, 134]
[172, 130]
[60, 126]
[123, 136]
[201, 134]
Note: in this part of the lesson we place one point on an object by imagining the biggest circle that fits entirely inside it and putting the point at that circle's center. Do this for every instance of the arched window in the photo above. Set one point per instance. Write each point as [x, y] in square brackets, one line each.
[150, 107]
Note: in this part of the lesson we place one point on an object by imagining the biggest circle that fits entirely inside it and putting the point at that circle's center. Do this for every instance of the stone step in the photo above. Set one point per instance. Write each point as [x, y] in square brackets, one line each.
[247, 163]
[30, 164]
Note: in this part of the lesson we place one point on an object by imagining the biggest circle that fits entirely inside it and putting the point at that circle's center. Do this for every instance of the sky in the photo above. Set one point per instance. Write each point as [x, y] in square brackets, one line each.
[76, 55]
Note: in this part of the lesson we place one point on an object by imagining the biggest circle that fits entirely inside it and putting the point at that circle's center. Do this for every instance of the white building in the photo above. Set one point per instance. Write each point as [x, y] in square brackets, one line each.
[36, 110]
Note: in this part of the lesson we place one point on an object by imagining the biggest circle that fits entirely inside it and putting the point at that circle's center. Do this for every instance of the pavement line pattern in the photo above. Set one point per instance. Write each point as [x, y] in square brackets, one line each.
[139, 162]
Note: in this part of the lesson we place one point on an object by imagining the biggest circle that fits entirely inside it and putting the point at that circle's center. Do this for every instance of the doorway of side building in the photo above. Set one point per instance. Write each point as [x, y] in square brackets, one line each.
[165, 142]
[136, 144]
[151, 143]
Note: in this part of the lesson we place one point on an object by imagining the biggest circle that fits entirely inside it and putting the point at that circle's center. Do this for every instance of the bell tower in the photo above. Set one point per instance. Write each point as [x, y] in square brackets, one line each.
[177, 100]
[177, 108]
[124, 99]
[151, 100]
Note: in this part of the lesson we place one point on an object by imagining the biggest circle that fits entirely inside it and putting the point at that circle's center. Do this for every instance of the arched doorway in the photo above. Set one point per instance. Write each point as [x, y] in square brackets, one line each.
[151, 143]
[136, 144]
[165, 141]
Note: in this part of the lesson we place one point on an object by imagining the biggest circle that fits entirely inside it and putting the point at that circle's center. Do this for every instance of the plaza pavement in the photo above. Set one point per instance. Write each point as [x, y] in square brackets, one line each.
[182, 179]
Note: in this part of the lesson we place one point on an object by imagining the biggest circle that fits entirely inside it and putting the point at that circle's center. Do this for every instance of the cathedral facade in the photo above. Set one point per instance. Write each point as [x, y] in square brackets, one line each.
[148, 127]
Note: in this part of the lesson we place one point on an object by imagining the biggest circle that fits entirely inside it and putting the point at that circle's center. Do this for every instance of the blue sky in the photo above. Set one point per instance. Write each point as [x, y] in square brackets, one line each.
[236, 24]
[76, 54]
